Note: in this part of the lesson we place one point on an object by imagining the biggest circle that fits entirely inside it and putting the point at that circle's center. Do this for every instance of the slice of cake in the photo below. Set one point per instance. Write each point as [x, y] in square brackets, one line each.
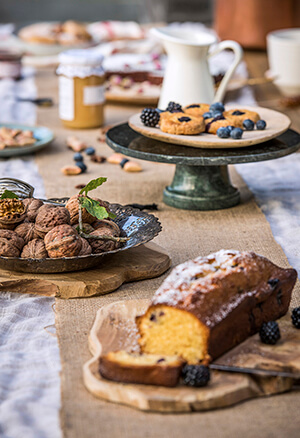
[209, 305]
[148, 369]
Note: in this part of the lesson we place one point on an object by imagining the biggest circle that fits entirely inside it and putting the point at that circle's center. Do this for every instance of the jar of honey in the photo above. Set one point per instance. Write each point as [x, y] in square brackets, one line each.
[81, 89]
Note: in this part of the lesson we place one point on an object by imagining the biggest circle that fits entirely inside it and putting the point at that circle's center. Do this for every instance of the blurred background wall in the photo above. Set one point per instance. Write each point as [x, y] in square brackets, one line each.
[27, 11]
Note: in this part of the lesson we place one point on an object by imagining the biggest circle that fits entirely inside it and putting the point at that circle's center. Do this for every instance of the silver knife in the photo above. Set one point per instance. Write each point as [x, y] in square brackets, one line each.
[257, 371]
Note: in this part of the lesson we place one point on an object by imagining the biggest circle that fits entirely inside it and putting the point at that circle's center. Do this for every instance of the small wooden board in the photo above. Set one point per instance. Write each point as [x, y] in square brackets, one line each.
[114, 329]
[277, 123]
[140, 263]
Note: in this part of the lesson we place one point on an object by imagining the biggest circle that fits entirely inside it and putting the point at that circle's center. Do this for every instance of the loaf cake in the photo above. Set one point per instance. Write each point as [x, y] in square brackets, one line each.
[148, 369]
[209, 305]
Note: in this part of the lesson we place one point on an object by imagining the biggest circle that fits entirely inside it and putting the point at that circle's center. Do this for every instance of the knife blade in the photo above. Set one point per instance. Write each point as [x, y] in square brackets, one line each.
[256, 371]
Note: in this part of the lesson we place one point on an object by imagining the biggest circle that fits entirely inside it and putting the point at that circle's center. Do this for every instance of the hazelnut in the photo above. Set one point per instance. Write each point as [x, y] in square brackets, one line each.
[27, 231]
[86, 248]
[63, 241]
[50, 216]
[99, 245]
[73, 206]
[33, 206]
[12, 211]
[10, 243]
[35, 249]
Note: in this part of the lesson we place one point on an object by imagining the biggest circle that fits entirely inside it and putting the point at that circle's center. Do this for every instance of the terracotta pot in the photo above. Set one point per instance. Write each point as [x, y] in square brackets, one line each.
[249, 21]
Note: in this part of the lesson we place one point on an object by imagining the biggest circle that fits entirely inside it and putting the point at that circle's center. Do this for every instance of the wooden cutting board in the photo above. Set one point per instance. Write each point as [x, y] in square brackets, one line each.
[140, 263]
[114, 329]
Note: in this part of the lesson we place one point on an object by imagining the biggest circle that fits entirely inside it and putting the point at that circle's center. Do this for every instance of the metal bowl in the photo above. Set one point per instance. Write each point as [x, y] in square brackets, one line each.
[138, 226]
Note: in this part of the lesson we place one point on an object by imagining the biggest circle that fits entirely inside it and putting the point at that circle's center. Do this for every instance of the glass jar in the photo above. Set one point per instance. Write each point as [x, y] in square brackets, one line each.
[81, 89]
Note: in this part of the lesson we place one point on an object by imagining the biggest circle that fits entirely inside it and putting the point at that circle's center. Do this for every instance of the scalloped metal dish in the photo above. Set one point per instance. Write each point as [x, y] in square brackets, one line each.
[139, 226]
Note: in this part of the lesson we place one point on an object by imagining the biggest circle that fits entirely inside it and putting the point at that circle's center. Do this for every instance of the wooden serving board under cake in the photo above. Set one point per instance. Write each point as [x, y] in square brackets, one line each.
[277, 123]
[114, 329]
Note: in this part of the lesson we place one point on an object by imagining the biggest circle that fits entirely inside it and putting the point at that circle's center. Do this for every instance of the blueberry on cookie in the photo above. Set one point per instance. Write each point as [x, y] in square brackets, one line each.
[239, 116]
[182, 124]
[213, 124]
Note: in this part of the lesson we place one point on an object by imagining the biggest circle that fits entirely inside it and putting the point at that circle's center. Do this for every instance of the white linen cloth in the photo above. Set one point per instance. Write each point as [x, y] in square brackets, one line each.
[29, 354]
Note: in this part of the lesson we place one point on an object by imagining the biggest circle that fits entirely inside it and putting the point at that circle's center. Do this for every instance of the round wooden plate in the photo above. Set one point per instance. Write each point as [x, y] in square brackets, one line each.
[277, 123]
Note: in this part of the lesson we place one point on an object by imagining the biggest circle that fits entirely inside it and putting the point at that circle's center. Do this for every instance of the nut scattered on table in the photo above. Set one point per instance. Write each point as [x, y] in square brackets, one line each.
[75, 144]
[71, 170]
[35, 249]
[115, 158]
[63, 241]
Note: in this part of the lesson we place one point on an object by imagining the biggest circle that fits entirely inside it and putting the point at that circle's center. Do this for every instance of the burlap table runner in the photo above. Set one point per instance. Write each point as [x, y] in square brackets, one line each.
[186, 234]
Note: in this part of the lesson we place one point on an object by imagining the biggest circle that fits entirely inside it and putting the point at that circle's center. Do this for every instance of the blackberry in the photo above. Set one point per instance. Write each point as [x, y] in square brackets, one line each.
[150, 117]
[248, 125]
[195, 375]
[174, 107]
[261, 125]
[269, 332]
[296, 317]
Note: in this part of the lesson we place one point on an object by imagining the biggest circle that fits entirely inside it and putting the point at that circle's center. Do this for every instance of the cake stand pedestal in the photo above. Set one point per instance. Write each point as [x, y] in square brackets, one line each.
[201, 180]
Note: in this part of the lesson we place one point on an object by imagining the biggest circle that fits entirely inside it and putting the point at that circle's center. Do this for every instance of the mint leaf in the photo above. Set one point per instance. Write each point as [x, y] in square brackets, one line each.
[94, 208]
[92, 185]
[8, 194]
[112, 215]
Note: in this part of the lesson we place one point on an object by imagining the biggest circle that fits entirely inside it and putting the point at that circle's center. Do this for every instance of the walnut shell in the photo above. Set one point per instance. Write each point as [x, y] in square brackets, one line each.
[99, 245]
[50, 216]
[87, 228]
[73, 206]
[35, 249]
[27, 231]
[107, 223]
[10, 243]
[86, 248]
[33, 206]
[12, 211]
[63, 241]
[7, 226]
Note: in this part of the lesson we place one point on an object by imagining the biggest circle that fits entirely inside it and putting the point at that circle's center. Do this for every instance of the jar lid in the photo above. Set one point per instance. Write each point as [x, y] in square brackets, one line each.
[83, 57]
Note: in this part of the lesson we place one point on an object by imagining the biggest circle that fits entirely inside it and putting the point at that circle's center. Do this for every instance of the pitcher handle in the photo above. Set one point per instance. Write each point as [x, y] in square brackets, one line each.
[238, 51]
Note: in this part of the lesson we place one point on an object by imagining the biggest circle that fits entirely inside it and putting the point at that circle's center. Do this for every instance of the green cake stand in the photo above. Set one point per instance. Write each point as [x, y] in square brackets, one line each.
[201, 180]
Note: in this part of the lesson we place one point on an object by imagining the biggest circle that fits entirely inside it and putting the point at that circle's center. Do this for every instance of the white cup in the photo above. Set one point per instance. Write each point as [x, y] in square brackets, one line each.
[284, 60]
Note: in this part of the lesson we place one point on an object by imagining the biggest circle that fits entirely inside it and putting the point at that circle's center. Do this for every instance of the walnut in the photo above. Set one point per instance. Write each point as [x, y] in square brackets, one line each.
[87, 228]
[7, 226]
[86, 248]
[107, 223]
[35, 249]
[12, 211]
[63, 241]
[73, 207]
[10, 243]
[50, 216]
[27, 231]
[99, 245]
[33, 206]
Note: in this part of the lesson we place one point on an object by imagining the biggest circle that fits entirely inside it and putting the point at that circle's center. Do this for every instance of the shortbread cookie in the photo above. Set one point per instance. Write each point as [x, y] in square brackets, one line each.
[196, 109]
[213, 124]
[237, 116]
[182, 124]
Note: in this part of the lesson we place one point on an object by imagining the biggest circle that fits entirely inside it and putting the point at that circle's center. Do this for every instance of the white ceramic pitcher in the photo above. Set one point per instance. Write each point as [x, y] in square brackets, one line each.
[187, 78]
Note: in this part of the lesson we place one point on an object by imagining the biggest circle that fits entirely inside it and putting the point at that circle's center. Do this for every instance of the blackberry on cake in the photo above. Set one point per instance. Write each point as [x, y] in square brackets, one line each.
[195, 375]
[174, 107]
[296, 317]
[150, 117]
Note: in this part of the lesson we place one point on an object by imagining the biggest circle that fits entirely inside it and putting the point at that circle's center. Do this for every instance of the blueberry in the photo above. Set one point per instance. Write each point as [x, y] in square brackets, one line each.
[77, 157]
[248, 125]
[207, 115]
[236, 133]
[261, 124]
[81, 165]
[216, 114]
[90, 151]
[223, 132]
[217, 106]
[230, 127]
